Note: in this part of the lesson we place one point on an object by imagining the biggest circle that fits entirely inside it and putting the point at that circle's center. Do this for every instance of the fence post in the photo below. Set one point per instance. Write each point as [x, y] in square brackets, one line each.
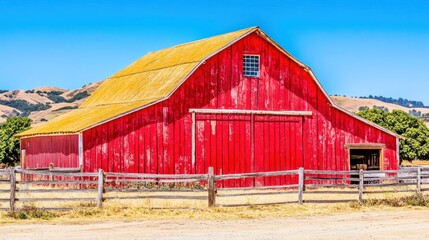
[300, 184]
[100, 188]
[51, 176]
[12, 178]
[211, 187]
[361, 181]
[419, 180]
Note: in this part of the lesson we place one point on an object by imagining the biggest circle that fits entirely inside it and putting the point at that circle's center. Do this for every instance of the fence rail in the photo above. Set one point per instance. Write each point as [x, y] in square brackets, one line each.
[100, 183]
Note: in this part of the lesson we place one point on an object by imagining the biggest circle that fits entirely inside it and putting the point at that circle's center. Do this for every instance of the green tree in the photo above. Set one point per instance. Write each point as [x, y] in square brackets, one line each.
[415, 144]
[363, 108]
[9, 145]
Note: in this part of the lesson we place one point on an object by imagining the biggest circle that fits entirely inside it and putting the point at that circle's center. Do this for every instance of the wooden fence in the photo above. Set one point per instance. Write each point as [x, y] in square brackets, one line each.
[356, 183]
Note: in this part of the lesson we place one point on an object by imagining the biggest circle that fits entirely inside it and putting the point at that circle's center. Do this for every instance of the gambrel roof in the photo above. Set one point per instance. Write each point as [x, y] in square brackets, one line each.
[149, 80]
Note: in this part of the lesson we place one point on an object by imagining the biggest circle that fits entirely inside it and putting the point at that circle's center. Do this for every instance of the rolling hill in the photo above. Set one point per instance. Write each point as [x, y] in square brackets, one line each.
[44, 103]
[353, 105]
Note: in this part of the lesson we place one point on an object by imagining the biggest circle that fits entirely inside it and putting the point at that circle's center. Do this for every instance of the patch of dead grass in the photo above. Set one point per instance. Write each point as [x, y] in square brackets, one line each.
[415, 163]
[148, 208]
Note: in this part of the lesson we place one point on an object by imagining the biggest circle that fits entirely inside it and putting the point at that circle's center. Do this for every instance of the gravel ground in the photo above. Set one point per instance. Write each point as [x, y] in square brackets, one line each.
[371, 225]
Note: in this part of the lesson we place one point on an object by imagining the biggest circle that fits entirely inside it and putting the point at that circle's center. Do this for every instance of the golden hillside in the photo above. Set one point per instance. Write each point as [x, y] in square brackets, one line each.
[43, 103]
[353, 104]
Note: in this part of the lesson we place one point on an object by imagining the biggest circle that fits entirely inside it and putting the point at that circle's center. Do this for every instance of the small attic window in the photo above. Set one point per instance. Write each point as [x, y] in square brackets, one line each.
[251, 65]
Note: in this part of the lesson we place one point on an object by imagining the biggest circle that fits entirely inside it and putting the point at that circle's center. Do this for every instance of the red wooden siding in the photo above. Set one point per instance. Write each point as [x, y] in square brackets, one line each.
[157, 139]
[62, 151]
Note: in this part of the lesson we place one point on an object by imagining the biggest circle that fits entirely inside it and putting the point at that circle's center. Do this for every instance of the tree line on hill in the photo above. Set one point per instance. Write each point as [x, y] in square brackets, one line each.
[55, 97]
[383, 108]
[412, 112]
[400, 101]
[26, 108]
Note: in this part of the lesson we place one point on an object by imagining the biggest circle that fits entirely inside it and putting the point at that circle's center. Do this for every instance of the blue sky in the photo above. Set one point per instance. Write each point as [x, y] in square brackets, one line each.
[355, 48]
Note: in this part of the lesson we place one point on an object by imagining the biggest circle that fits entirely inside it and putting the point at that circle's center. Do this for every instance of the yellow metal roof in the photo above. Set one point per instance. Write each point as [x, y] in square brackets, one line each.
[149, 79]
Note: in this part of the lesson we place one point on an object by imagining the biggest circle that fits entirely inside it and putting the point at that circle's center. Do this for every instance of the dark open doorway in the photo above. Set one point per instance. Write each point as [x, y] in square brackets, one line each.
[366, 156]
[366, 159]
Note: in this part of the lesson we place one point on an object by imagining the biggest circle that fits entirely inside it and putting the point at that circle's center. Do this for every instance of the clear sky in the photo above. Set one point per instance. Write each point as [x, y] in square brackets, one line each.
[355, 47]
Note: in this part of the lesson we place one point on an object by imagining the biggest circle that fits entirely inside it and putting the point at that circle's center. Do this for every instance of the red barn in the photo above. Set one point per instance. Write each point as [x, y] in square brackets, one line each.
[238, 102]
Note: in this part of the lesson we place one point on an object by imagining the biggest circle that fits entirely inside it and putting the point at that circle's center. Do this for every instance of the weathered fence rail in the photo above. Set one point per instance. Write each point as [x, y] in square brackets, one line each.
[305, 183]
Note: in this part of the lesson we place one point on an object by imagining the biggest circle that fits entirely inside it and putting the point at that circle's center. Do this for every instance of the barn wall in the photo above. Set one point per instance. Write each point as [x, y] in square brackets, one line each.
[62, 151]
[157, 139]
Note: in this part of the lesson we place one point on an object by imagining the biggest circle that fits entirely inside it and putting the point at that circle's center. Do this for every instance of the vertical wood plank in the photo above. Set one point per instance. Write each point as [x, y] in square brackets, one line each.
[419, 180]
[169, 138]
[193, 142]
[141, 157]
[23, 152]
[97, 148]
[300, 185]
[87, 151]
[132, 137]
[361, 181]
[160, 139]
[100, 188]
[226, 148]
[252, 148]
[119, 153]
[80, 150]
[235, 148]
[219, 146]
[229, 168]
[12, 177]
[211, 187]
[153, 142]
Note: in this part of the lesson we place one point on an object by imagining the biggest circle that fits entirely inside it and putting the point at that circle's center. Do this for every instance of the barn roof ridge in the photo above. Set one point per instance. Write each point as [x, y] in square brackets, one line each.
[203, 39]
[104, 105]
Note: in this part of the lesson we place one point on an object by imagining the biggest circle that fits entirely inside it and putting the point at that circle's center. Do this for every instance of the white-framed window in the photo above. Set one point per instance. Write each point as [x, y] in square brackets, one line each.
[251, 65]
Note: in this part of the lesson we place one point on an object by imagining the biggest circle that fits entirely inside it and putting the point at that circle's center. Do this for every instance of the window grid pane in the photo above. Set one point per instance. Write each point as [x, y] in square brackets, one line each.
[251, 65]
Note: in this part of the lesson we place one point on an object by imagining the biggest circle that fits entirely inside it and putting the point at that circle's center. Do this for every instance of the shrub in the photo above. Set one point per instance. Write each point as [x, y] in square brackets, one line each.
[65, 108]
[363, 108]
[56, 98]
[28, 212]
[412, 200]
[25, 106]
[78, 96]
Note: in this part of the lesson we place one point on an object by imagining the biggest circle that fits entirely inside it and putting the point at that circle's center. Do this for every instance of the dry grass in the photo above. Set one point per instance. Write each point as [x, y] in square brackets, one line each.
[416, 163]
[144, 209]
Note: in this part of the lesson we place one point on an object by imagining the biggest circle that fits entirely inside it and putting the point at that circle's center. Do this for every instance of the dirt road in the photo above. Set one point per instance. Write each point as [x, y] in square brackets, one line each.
[374, 225]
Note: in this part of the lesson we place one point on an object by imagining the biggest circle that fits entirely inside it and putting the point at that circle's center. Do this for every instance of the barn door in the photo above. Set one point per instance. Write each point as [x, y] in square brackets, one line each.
[223, 141]
[278, 146]
[242, 143]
